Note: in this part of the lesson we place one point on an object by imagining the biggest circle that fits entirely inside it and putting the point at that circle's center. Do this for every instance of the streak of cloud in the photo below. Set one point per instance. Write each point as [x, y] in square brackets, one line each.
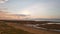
[3, 1]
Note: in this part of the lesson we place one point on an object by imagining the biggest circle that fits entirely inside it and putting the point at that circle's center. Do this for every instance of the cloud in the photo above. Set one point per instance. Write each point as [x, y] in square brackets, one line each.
[3, 1]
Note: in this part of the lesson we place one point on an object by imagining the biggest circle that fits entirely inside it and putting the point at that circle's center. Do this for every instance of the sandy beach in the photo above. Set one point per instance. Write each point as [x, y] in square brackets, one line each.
[32, 30]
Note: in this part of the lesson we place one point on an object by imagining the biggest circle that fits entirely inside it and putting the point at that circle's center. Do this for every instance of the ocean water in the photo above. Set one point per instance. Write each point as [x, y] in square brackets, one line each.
[55, 20]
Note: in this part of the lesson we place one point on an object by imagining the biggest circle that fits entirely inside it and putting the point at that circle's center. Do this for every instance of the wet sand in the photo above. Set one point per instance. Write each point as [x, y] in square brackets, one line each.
[32, 30]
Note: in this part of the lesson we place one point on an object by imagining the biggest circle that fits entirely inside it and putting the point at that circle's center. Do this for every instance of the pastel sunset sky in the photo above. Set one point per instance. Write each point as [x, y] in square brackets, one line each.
[38, 8]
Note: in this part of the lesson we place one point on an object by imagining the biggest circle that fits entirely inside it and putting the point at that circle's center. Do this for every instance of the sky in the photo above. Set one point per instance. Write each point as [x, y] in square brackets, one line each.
[34, 8]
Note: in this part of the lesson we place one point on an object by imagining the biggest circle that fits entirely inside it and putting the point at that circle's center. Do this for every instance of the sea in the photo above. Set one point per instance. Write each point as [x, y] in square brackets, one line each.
[48, 20]
[43, 19]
